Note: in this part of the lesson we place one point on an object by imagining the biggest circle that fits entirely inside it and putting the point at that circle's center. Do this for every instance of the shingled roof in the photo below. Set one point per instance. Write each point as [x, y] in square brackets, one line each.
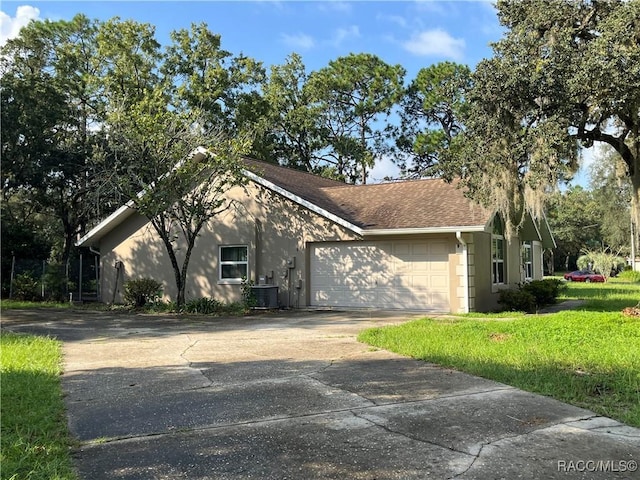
[417, 205]
[412, 204]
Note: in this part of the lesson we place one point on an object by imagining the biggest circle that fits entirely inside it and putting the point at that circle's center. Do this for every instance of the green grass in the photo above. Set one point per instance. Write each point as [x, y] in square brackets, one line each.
[35, 440]
[588, 357]
[24, 304]
[611, 296]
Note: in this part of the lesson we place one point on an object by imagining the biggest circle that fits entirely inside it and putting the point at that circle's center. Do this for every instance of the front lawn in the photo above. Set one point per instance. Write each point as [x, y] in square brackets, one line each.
[35, 440]
[611, 296]
[588, 358]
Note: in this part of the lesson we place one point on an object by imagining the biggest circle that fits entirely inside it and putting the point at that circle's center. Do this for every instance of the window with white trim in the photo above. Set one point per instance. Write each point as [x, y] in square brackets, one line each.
[527, 260]
[234, 263]
[498, 253]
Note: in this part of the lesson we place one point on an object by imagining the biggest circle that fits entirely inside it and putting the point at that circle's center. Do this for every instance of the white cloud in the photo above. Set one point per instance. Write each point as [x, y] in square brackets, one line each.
[10, 26]
[335, 6]
[383, 169]
[431, 6]
[299, 40]
[435, 43]
[342, 34]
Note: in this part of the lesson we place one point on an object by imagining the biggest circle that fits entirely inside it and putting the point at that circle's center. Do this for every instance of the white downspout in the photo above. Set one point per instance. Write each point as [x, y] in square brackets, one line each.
[465, 270]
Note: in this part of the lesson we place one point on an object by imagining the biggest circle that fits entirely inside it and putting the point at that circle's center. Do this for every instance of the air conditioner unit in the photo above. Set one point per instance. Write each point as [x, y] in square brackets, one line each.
[266, 296]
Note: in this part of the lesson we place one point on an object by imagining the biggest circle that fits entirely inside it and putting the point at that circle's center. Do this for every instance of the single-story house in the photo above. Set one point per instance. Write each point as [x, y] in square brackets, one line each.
[414, 245]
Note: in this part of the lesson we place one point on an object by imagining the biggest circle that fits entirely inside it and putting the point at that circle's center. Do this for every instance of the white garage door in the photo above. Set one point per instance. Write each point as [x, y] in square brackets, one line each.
[404, 275]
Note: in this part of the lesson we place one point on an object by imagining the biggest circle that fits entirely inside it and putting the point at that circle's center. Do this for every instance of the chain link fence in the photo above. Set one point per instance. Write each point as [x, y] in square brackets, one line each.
[32, 279]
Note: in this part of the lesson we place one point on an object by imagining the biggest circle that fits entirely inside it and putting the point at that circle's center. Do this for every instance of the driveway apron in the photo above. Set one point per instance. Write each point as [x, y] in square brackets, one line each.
[296, 396]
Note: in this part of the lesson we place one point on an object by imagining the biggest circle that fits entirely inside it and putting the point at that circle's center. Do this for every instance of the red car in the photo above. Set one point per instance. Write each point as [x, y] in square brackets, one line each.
[584, 276]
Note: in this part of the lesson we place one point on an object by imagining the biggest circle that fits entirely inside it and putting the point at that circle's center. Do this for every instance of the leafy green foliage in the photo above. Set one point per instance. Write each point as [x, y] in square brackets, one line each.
[632, 276]
[517, 300]
[531, 296]
[561, 76]
[56, 283]
[222, 86]
[612, 192]
[25, 287]
[293, 120]
[431, 113]
[574, 218]
[352, 93]
[248, 296]
[141, 291]
[545, 291]
[47, 109]
[204, 305]
[601, 261]
[66, 84]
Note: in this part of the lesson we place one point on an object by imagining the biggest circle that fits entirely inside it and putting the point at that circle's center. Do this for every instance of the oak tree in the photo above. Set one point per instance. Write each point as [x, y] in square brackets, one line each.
[564, 76]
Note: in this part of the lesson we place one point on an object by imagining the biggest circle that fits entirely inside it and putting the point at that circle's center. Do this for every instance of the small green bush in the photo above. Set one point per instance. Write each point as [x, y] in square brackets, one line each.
[248, 297]
[140, 291]
[529, 297]
[25, 287]
[517, 300]
[631, 276]
[544, 291]
[207, 306]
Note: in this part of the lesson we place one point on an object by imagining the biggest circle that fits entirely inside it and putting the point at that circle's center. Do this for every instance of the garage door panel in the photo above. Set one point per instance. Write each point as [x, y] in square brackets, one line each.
[439, 282]
[410, 275]
[418, 281]
[400, 249]
[418, 266]
[439, 248]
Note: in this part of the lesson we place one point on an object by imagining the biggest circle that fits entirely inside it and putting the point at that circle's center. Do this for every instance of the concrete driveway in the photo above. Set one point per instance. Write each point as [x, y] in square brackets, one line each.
[295, 396]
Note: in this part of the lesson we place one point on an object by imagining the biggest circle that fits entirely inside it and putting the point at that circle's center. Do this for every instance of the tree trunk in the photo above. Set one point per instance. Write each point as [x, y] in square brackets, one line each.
[183, 274]
[179, 273]
[164, 235]
[635, 211]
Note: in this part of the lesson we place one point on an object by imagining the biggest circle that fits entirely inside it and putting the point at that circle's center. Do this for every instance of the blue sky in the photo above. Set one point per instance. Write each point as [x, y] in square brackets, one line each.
[414, 34]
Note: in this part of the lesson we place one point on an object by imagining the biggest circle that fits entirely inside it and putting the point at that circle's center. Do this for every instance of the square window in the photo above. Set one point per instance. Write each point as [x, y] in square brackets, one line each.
[234, 263]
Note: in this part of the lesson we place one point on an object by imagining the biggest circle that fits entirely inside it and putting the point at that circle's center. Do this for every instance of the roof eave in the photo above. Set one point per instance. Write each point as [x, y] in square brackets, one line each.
[421, 230]
[116, 218]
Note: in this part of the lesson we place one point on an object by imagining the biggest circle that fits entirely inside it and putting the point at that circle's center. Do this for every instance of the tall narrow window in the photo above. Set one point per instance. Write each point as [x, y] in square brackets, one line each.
[527, 260]
[234, 263]
[497, 252]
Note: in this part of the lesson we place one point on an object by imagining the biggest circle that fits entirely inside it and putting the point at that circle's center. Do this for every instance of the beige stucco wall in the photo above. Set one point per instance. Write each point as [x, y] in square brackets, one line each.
[483, 293]
[275, 229]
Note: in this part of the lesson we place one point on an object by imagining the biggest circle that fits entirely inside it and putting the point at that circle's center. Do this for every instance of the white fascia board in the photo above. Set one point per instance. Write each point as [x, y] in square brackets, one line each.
[104, 226]
[421, 230]
[301, 201]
